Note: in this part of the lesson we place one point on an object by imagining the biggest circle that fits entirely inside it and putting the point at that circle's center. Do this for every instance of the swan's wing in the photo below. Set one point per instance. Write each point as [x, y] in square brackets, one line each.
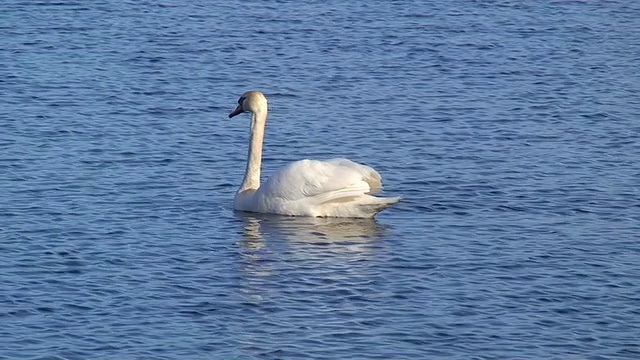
[369, 175]
[322, 180]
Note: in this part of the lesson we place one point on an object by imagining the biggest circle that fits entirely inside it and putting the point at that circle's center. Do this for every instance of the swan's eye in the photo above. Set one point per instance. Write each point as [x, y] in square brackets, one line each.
[241, 100]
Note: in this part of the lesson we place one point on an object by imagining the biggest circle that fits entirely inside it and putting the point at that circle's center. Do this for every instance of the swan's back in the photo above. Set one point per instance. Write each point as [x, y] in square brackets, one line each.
[336, 187]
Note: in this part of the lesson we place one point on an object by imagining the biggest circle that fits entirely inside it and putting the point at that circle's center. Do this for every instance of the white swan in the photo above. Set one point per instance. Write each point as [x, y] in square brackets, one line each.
[332, 188]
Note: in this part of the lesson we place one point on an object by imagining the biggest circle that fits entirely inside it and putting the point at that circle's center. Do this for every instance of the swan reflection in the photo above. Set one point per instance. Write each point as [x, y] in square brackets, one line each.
[280, 256]
[340, 234]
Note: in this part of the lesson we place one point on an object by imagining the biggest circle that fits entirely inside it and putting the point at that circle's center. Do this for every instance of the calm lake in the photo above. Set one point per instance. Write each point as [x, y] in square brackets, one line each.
[510, 128]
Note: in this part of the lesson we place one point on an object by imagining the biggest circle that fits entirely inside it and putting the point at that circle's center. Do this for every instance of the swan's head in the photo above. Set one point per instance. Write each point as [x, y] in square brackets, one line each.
[253, 101]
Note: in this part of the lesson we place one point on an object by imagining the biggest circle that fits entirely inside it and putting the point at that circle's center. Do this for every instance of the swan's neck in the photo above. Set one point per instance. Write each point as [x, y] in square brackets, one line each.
[254, 159]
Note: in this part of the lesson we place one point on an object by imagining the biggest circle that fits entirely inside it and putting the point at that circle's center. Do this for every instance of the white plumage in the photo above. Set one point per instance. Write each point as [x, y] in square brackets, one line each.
[331, 188]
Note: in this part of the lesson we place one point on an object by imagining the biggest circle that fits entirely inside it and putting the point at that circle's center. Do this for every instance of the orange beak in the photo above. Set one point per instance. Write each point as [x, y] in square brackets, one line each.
[238, 110]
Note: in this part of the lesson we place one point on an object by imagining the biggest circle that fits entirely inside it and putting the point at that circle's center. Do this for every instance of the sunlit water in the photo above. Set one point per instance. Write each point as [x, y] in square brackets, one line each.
[510, 128]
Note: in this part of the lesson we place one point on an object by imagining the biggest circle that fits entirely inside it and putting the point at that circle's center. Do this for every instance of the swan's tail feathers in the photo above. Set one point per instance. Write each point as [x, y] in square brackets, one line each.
[352, 201]
[377, 204]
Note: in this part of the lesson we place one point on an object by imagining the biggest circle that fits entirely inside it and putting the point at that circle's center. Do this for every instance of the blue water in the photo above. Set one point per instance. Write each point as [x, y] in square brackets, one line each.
[510, 128]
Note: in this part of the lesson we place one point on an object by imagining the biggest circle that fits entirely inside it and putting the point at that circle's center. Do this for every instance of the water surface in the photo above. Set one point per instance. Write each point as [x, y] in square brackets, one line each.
[510, 128]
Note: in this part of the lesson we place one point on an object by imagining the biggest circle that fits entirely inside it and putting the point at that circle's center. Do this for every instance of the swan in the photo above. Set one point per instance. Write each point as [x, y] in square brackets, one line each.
[331, 188]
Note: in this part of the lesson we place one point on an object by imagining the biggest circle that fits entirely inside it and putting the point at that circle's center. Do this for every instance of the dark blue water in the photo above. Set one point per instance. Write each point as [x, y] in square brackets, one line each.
[510, 128]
